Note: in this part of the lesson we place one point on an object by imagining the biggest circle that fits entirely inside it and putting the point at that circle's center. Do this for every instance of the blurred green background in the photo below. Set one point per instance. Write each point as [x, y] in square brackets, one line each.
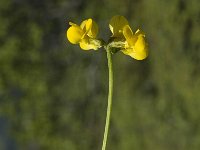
[53, 95]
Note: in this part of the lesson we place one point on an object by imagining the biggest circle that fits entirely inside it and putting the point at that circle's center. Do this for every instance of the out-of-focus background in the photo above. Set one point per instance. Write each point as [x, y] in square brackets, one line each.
[53, 95]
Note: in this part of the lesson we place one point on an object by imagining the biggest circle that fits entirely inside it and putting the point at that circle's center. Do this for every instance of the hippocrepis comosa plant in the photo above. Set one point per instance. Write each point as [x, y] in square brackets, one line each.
[123, 39]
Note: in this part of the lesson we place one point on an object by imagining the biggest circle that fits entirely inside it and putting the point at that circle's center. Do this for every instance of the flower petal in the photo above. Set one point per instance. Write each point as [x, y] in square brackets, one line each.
[140, 43]
[138, 55]
[129, 36]
[88, 24]
[83, 25]
[140, 49]
[74, 34]
[93, 30]
[90, 28]
[116, 25]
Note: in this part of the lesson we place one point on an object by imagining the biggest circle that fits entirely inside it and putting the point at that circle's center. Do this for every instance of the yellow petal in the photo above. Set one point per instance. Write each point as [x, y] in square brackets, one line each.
[138, 55]
[140, 43]
[74, 34]
[128, 34]
[140, 49]
[116, 25]
[88, 24]
[93, 30]
[86, 45]
[83, 25]
[90, 28]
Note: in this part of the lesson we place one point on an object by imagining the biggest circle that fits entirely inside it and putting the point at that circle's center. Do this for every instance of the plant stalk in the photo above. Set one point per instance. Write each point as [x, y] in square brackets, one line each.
[110, 95]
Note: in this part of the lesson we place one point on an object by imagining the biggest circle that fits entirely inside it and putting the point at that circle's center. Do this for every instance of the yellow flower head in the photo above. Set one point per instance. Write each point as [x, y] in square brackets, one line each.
[122, 39]
[135, 44]
[84, 34]
[116, 25]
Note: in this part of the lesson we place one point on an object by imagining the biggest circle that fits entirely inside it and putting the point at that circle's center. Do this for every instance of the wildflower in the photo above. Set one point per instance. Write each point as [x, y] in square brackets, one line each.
[122, 39]
[116, 25]
[134, 44]
[84, 35]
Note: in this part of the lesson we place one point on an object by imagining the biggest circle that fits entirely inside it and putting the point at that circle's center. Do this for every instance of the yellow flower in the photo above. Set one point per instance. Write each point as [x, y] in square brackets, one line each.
[135, 44]
[84, 35]
[116, 25]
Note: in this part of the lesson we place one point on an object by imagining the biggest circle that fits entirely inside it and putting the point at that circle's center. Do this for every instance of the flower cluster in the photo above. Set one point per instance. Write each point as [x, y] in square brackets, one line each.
[123, 39]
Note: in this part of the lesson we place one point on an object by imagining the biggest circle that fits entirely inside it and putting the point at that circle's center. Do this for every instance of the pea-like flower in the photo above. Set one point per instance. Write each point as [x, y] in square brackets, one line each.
[135, 44]
[117, 24]
[84, 35]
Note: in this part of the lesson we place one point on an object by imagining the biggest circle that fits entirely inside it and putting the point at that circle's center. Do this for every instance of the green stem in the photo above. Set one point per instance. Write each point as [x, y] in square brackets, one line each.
[110, 94]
